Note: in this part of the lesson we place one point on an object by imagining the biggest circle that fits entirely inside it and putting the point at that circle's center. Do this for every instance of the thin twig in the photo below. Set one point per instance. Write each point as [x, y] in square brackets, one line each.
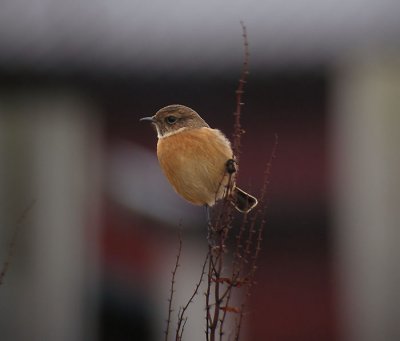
[11, 249]
[179, 338]
[268, 167]
[217, 300]
[238, 131]
[172, 290]
[262, 212]
[181, 315]
[207, 294]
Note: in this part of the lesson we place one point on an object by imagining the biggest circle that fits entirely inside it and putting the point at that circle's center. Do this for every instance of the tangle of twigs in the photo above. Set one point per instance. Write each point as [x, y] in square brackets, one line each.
[231, 267]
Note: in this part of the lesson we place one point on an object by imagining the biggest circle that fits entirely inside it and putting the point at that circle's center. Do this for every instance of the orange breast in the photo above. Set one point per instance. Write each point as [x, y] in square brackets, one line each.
[194, 160]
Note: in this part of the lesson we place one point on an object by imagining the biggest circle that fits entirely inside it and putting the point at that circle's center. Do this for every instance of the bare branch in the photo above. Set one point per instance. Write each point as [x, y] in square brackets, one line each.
[262, 212]
[11, 248]
[238, 131]
[172, 290]
[181, 314]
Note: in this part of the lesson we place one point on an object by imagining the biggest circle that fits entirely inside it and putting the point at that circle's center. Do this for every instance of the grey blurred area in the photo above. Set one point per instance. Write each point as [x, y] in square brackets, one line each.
[366, 137]
[50, 156]
[94, 253]
[122, 36]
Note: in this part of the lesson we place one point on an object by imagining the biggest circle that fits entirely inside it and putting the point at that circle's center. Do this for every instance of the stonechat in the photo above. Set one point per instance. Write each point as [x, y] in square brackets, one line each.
[197, 160]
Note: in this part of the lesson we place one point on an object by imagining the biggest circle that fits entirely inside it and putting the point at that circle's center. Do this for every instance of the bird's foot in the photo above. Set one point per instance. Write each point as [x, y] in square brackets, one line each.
[230, 166]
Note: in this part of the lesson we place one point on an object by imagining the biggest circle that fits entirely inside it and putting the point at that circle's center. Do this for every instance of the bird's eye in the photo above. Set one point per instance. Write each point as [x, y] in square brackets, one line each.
[170, 119]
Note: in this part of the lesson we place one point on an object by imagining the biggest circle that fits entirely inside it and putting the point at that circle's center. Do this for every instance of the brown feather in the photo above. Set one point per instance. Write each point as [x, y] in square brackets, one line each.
[194, 161]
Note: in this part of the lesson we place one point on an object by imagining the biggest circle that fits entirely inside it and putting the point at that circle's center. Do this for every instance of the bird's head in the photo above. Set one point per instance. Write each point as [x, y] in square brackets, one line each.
[175, 118]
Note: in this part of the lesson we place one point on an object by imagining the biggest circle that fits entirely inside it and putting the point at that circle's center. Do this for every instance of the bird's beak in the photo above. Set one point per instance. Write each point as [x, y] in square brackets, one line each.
[151, 119]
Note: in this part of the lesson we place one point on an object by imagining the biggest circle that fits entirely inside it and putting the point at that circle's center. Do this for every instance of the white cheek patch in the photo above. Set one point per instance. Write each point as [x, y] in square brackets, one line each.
[173, 132]
[158, 131]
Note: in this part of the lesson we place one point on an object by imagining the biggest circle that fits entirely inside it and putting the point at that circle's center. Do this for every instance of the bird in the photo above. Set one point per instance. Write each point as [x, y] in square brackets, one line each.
[197, 160]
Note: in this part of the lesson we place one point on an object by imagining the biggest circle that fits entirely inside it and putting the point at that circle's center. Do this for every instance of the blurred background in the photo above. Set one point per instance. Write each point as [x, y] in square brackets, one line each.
[94, 253]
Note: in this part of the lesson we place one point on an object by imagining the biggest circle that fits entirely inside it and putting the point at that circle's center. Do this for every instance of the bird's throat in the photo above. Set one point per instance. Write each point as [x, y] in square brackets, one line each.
[169, 133]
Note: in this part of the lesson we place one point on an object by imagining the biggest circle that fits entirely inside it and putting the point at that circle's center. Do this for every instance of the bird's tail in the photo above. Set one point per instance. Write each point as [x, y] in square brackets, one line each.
[243, 201]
